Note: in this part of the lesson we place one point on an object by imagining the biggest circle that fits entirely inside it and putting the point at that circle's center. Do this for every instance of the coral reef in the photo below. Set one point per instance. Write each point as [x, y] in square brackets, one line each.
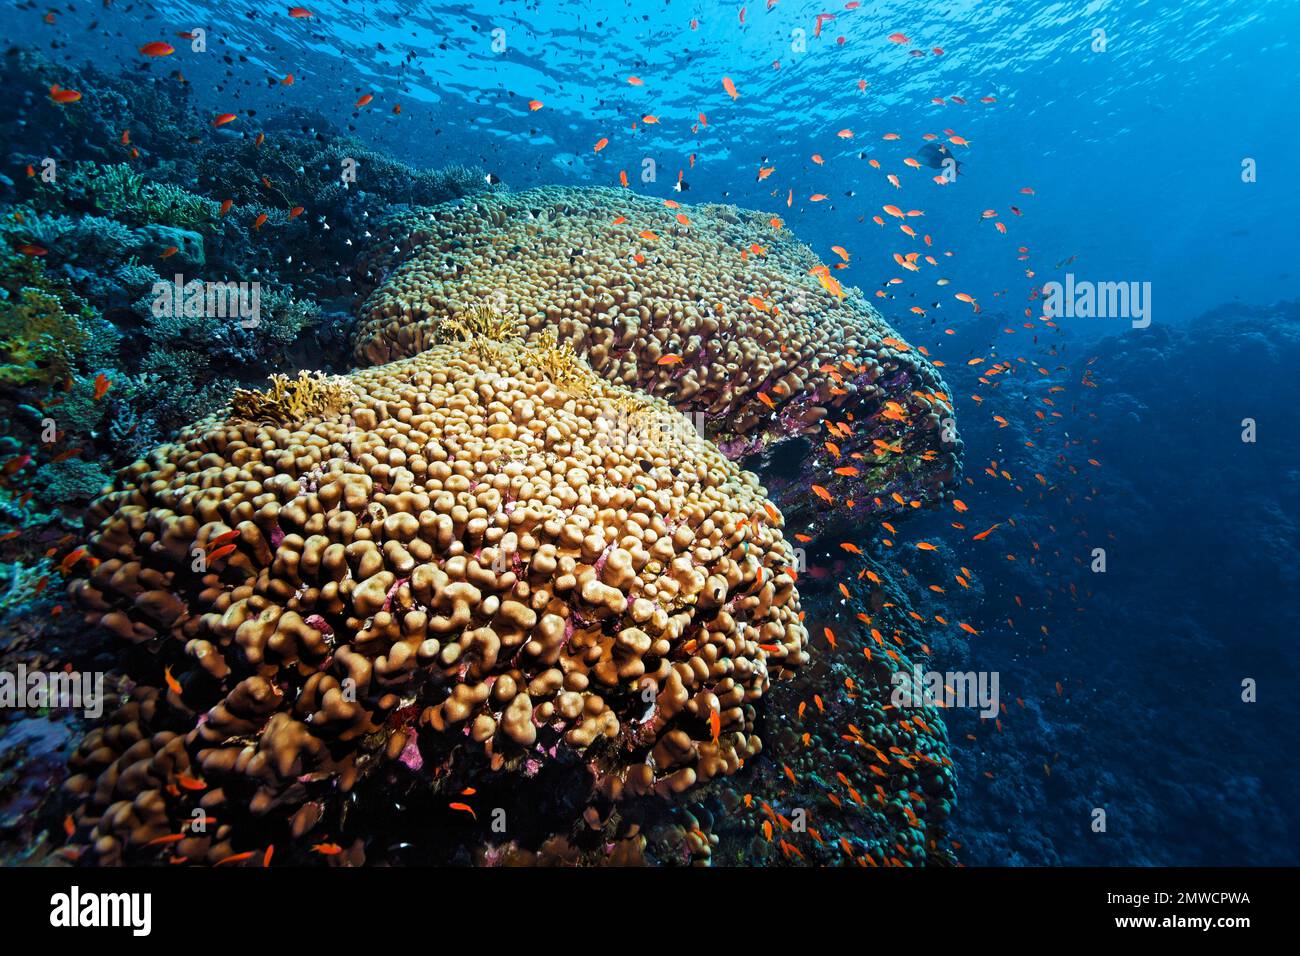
[469, 569]
[716, 309]
[292, 400]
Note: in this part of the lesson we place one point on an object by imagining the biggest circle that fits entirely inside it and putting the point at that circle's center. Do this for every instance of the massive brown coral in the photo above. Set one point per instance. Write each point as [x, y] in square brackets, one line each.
[491, 550]
[719, 310]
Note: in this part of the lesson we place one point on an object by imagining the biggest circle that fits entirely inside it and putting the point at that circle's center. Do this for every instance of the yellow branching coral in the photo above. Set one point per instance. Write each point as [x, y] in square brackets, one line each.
[481, 322]
[311, 395]
[561, 364]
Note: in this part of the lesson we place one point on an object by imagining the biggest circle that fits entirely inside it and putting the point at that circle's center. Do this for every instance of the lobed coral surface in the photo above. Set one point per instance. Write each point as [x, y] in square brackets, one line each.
[490, 552]
[718, 310]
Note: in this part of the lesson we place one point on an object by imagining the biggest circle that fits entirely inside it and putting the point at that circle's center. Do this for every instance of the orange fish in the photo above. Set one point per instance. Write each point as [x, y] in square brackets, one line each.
[259, 221]
[464, 808]
[730, 87]
[220, 552]
[670, 360]
[157, 48]
[102, 383]
[364, 100]
[225, 206]
[224, 118]
[300, 13]
[59, 95]
[601, 144]
[190, 783]
[535, 105]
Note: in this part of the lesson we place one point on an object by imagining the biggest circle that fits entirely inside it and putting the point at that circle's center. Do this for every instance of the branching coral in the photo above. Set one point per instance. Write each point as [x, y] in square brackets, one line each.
[119, 192]
[561, 364]
[481, 322]
[310, 395]
[21, 584]
[39, 340]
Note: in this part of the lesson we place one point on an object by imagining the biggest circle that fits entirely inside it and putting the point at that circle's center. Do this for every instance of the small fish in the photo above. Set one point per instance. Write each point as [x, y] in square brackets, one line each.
[236, 858]
[225, 206]
[671, 359]
[71, 559]
[102, 385]
[157, 48]
[300, 13]
[221, 539]
[327, 849]
[535, 105]
[224, 118]
[259, 221]
[364, 100]
[61, 96]
[220, 552]
[172, 683]
[295, 212]
[464, 808]
[730, 87]
[165, 840]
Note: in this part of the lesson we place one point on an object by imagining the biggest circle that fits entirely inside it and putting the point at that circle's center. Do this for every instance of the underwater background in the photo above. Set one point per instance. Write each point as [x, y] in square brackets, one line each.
[1144, 143]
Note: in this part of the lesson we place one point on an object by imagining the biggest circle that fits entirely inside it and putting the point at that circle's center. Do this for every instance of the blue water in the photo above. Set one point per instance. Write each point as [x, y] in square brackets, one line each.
[1135, 153]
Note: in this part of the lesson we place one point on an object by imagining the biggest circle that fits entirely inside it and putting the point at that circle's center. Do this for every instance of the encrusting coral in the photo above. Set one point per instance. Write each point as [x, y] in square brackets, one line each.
[718, 310]
[472, 563]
